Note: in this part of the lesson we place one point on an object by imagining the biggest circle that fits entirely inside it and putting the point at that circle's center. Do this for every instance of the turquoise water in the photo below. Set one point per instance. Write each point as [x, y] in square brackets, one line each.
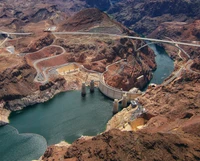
[66, 117]
[165, 65]
[20, 147]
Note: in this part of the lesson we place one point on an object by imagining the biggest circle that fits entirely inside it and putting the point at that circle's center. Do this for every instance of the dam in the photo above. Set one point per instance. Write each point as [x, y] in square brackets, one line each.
[67, 117]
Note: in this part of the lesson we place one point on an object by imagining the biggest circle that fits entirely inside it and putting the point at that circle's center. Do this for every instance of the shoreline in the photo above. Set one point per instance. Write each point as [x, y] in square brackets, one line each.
[40, 97]
[20, 104]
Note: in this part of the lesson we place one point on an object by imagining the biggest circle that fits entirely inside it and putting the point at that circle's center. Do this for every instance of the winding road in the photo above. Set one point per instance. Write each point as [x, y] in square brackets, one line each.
[42, 77]
[39, 76]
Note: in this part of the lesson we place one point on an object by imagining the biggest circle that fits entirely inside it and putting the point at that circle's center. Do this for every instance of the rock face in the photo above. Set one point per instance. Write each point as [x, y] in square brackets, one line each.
[179, 31]
[101, 4]
[172, 108]
[44, 50]
[141, 16]
[17, 89]
[171, 131]
[175, 107]
[108, 50]
[130, 146]
[145, 16]
[16, 79]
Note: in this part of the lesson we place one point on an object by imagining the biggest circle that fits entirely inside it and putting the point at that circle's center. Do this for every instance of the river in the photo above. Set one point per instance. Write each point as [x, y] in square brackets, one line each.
[165, 65]
[66, 117]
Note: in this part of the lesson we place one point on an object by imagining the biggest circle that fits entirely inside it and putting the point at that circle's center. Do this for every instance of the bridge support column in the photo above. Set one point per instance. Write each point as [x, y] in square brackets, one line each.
[124, 100]
[83, 90]
[115, 106]
[92, 86]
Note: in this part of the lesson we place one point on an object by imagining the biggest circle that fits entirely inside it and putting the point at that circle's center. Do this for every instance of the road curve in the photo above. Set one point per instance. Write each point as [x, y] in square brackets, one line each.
[39, 74]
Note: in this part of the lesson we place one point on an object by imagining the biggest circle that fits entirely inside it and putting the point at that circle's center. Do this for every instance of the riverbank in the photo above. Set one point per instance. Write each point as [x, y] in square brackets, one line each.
[57, 131]
[20, 146]
[35, 98]
[73, 82]
[4, 114]
[66, 117]
[172, 119]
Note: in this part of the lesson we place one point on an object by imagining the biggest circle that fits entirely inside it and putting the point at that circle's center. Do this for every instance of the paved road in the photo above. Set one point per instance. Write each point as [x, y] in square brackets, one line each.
[180, 50]
[16, 33]
[43, 77]
[125, 36]
[188, 66]
[4, 41]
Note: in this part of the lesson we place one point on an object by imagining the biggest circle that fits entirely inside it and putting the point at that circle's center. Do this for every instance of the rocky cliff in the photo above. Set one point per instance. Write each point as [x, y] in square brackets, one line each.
[145, 16]
[170, 130]
[44, 50]
[179, 31]
[141, 16]
[130, 146]
[109, 50]
[171, 109]
[17, 88]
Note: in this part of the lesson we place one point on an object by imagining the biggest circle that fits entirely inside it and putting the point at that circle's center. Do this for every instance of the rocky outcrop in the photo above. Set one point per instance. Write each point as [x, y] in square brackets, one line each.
[170, 131]
[97, 53]
[130, 146]
[14, 14]
[94, 52]
[179, 31]
[175, 107]
[3, 115]
[17, 82]
[84, 19]
[135, 71]
[101, 4]
[141, 16]
[145, 16]
[45, 93]
[17, 86]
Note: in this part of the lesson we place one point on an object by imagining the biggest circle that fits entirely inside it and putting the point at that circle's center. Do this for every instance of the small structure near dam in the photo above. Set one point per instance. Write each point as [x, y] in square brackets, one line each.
[117, 95]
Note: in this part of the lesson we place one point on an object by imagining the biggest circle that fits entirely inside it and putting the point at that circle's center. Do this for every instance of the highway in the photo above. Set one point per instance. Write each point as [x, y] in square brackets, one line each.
[129, 37]
[16, 33]
[174, 43]
[45, 77]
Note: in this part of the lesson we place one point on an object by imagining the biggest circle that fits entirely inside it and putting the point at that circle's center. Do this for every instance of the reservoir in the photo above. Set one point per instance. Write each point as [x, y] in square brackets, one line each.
[67, 117]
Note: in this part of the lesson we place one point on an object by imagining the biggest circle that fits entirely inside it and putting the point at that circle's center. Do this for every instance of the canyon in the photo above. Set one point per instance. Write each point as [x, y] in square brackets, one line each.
[40, 52]
[169, 127]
